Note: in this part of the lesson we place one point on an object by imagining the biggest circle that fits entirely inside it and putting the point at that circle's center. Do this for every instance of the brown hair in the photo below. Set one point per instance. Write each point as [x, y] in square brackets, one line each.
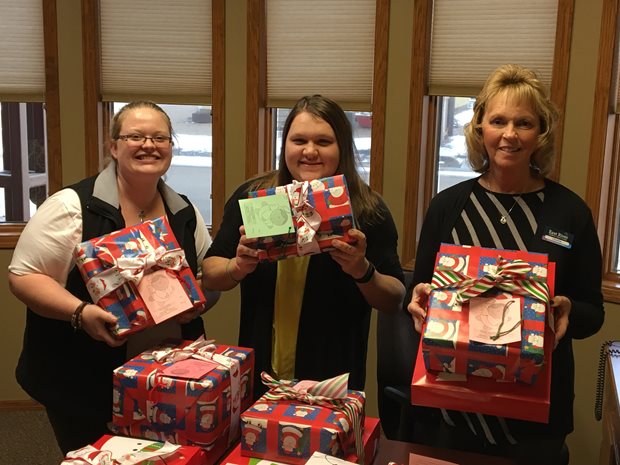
[523, 85]
[363, 199]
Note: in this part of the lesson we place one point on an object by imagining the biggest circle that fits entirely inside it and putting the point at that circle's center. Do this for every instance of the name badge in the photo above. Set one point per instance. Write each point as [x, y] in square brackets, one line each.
[563, 239]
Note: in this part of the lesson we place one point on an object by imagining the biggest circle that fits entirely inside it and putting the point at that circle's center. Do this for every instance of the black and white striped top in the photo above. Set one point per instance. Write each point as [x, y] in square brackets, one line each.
[480, 224]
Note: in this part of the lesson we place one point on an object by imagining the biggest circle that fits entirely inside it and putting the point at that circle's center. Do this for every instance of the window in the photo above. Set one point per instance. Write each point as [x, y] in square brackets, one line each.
[30, 165]
[23, 166]
[452, 166]
[446, 74]
[287, 60]
[602, 190]
[188, 84]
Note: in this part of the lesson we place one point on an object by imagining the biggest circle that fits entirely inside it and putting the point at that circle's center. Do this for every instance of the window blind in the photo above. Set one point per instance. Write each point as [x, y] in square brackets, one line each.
[156, 49]
[470, 38]
[320, 47]
[22, 56]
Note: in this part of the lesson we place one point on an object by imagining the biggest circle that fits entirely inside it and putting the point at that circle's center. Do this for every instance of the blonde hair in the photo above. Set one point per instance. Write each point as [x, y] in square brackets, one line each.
[523, 85]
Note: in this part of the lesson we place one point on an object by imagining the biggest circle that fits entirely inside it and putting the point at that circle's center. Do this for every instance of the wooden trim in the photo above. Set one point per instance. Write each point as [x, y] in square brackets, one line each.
[600, 113]
[9, 234]
[8, 405]
[255, 89]
[91, 48]
[431, 153]
[218, 109]
[422, 16]
[559, 81]
[601, 190]
[609, 204]
[379, 94]
[52, 97]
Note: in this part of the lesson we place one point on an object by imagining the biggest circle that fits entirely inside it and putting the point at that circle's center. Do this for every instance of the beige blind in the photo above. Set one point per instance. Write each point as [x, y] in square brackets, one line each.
[158, 49]
[320, 47]
[470, 38]
[22, 57]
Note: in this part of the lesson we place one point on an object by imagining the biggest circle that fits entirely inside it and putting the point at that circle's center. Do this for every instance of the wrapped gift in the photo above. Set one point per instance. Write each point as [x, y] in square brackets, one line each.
[370, 438]
[316, 212]
[185, 393]
[484, 395]
[487, 313]
[292, 420]
[139, 274]
[117, 450]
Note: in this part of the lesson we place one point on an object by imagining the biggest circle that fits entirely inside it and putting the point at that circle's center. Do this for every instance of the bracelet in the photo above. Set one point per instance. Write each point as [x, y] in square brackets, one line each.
[229, 273]
[368, 275]
[76, 318]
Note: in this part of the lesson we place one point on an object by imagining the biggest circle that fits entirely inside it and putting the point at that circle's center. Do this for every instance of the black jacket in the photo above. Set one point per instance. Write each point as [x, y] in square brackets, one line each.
[63, 368]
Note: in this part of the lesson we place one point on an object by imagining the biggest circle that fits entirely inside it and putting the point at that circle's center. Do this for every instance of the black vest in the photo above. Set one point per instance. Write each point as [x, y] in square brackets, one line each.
[63, 368]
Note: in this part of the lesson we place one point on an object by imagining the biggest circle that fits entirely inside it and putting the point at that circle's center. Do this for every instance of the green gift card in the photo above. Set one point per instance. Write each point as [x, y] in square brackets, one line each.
[266, 216]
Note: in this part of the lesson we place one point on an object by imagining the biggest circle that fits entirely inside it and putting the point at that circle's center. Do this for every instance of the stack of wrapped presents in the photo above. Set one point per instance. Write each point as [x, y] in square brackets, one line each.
[191, 402]
[487, 341]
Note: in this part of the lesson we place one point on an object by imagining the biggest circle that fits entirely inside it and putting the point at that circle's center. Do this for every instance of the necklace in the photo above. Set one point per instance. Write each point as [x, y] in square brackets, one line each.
[142, 215]
[504, 218]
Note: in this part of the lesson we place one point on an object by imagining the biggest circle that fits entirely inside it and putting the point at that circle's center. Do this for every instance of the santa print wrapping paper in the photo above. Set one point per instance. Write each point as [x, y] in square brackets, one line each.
[484, 395]
[370, 438]
[117, 450]
[148, 403]
[489, 281]
[287, 426]
[321, 211]
[113, 265]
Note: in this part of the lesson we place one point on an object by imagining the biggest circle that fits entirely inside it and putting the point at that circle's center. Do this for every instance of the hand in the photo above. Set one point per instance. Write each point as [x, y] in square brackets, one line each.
[98, 324]
[561, 310]
[189, 315]
[246, 259]
[418, 304]
[351, 257]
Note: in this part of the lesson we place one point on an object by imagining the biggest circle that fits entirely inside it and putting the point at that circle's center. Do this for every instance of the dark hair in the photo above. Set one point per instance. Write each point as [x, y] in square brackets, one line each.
[363, 199]
[523, 85]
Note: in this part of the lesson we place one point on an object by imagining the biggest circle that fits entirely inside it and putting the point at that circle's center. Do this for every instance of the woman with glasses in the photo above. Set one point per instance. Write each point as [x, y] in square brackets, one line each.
[69, 352]
[308, 317]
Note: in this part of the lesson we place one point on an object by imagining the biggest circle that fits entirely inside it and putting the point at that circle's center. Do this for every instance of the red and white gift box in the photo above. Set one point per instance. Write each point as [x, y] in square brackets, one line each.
[117, 450]
[151, 401]
[493, 342]
[113, 266]
[446, 360]
[370, 438]
[321, 211]
[293, 420]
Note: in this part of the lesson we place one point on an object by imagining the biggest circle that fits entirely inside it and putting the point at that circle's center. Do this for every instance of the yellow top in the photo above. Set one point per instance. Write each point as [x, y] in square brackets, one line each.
[290, 283]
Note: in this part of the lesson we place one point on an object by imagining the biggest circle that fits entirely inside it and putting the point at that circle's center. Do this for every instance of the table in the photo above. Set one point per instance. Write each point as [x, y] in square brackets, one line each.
[398, 452]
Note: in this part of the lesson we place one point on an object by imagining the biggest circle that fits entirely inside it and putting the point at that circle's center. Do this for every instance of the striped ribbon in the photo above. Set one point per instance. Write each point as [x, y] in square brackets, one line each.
[330, 393]
[509, 275]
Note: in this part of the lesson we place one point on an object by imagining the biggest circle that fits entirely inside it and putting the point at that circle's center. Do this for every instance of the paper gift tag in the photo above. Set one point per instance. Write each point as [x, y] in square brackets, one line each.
[494, 321]
[163, 295]
[190, 368]
[267, 216]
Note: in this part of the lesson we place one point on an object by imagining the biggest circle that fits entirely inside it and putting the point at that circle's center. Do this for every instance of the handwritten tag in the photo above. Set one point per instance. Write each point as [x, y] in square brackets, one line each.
[163, 295]
[266, 216]
[494, 321]
[190, 368]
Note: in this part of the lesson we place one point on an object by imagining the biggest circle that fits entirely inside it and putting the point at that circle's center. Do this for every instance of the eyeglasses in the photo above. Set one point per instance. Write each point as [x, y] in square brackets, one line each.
[139, 139]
